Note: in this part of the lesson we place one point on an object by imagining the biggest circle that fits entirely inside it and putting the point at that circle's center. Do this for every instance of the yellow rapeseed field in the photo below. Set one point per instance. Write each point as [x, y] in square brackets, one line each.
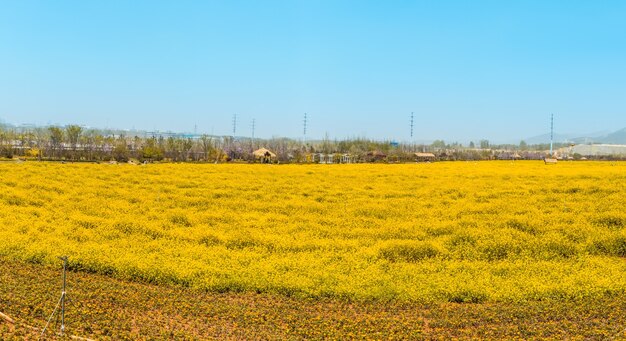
[461, 232]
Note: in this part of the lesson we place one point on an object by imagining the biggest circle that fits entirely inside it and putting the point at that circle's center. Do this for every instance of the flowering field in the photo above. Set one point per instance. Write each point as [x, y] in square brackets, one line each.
[442, 232]
[104, 308]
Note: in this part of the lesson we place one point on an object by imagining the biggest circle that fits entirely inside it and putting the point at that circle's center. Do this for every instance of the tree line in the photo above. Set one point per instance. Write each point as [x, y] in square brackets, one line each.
[75, 143]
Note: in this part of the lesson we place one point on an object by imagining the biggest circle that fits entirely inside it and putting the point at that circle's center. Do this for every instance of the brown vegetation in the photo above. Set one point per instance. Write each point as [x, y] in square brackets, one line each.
[103, 308]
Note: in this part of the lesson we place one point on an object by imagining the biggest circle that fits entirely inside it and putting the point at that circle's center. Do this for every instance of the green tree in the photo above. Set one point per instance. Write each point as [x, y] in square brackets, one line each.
[73, 135]
[439, 144]
[523, 145]
[151, 150]
[56, 140]
[120, 151]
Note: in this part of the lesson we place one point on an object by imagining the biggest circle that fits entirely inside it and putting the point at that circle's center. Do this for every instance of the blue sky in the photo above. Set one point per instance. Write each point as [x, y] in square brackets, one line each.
[467, 69]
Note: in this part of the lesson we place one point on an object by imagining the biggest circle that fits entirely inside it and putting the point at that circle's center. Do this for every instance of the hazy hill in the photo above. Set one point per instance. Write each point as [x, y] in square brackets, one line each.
[617, 137]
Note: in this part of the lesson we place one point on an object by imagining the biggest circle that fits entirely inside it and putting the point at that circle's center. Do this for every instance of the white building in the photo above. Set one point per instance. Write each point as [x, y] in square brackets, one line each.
[597, 149]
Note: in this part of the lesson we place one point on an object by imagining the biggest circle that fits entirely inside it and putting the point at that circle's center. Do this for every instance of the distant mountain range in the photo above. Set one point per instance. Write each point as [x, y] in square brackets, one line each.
[616, 137]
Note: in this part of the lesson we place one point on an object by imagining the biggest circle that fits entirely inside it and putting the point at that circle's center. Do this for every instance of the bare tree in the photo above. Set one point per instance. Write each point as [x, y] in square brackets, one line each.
[185, 145]
[206, 142]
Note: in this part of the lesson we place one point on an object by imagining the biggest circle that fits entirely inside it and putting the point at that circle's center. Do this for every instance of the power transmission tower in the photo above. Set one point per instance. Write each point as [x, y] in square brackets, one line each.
[551, 132]
[304, 128]
[411, 125]
[234, 125]
[253, 124]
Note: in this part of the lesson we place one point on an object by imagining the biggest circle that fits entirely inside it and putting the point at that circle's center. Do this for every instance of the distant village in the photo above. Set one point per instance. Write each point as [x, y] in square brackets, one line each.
[73, 143]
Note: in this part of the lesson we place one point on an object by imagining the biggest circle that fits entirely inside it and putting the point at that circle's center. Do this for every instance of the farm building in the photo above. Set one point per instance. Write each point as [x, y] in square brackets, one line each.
[550, 161]
[264, 155]
[425, 157]
[347, 158]
[323, 158]
[332, 158]
[375, 155]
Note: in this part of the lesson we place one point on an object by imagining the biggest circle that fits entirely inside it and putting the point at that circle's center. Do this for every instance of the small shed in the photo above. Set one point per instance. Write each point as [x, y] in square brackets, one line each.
[424, 157]
[347, 158]
[324, 158]
[264, 154]
[376, 155]
[550, 161]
